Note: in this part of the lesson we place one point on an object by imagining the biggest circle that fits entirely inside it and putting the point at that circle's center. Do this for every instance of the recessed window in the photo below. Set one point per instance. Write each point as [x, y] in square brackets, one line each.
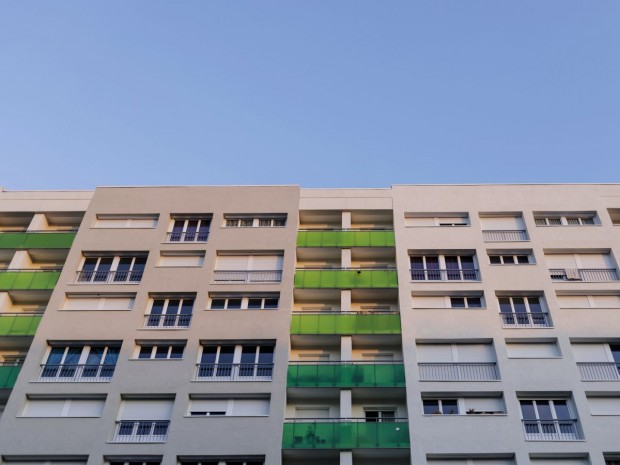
[125, 221]
[452, 300]
[244, 302]
[436, 219]
[465, 302]
[441, 407]
[510, 259]
[53, 407]
[255, 221]
[235, 407]
[170, 313]
[160, 351]
[189, 228]
[99, 301]
[565, 219]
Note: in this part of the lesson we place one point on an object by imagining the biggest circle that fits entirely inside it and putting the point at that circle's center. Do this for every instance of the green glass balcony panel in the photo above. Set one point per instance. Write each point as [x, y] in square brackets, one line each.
[346, 375]
[346, 238]
[18, 324]
[28, 280]
[345, 435]
[345, 323]
[8, 375]
[346, 279]
[36, 240]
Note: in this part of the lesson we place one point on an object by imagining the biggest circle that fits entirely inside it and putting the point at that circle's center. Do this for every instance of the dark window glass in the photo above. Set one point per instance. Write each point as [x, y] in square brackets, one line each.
[177, 352]
[431, 407]
[449, 407]
[457, 302]
[271, 303]
[255, 303]
[523, 259]
[145, 352]
[495, 260]
[234, 303]
[474, 302]
[161, 352]
[218, 304]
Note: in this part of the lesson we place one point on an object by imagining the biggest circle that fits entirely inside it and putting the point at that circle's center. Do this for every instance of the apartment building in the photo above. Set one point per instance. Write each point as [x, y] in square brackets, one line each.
[439, 325]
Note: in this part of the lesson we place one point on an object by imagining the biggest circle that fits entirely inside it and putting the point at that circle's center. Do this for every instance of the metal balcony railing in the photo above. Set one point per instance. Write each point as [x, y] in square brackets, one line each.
[505, 235]
[198, 236]
[141, 431]
[247, 277]
[179, 321]
[588, 275]
[234, 372]
[552, 430]
[109, 277]
[599, 371]
[525, 320]
[72, 373]
[445, 275]
[458, 371]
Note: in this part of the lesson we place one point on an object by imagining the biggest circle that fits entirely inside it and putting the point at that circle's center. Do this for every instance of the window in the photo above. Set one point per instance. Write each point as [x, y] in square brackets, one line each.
[236, 407]
[597, 361]
[181, 259]
[485, 459]
[436, 219]
[241, 362]
[608, 300]
[137, 221]
[549, 420]
[457, 301]
[525, 311]
[608, 405]
[443, 268]
[560, 459]
[587, 267]
[155, 460]
[532, 348]
[160, 351]
[248, 268]
[28, 460]
[86, 363]
[222, 461]
[614, 215]
[441, 407]
[503, 227]
[189, 228]
[99, 301]
[380, 415]
[52, 407]
[244, 301]
[457, 362]
[255, 221]
[126, 269]
[170, 313]
[143, 420]
[472, 404]
[509, 258]
[565, 219]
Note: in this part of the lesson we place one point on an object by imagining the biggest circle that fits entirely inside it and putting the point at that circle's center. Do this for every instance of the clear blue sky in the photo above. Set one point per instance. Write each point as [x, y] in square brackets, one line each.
[322, 93]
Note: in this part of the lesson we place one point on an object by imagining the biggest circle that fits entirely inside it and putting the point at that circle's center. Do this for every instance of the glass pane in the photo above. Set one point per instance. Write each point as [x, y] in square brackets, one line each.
[271, 303]
[457, 302]
[475, 302]
[504, 305]
[523, 259]
[145, 352]
[234, 303]
[431, 407]
[177, 352]
[255, 303]
[449, 407]
[218, 304]
[561, 410]
[527, 410]
[162, 351]
[534, 303]
[495, 260]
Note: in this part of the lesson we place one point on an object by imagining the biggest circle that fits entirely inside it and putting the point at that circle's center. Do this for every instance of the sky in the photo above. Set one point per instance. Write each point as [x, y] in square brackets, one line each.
[321, 93]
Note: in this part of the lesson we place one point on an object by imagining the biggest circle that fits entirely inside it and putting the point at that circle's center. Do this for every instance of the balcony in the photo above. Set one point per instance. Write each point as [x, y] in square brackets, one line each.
[36, 240]
[141, 431]
[505, 235]
[185, 237]
[346, 374]
[19, 324]
[599, 371]
[552, 430]
[234, 372]
[345, 433]
[346, 323]
[160, 321]
[72, 373]
[346, 278]
[459, 371]
[28, 279]
[247, 277]
[346, 238]
[109, 277]
[525, 320]
[8, 374]
[587, 275]
[445, 275]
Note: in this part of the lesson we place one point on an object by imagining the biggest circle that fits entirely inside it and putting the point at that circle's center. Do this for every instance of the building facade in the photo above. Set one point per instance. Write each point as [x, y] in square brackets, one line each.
[440, 325]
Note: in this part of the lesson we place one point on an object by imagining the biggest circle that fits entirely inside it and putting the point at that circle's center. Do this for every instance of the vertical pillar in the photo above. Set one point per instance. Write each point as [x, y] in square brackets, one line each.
[345, 300]
[346, 457]
[21, 260]
[345, 258]
[346, 348]
[38, 223]
[346, 220]
[346, 404]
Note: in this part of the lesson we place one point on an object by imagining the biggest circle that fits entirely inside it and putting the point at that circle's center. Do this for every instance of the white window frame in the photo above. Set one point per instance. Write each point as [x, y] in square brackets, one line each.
[245, 299]
[155, 346]
[254, 221]
[514, 257]
[582, 219]
[467, 303]
[206, 218]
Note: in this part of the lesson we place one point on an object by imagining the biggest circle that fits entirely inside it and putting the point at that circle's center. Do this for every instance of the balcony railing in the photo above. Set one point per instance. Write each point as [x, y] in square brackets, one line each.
[28, 279]
[199, 236]
[505, 235]
[588, 275]
[179, 321]
[234, 372]
[599, 371]
[141, 431]
[445, 275]
[458, 371]
[346, 238]
[346, 374]
[345, 433]
[247, 277]
[19, 324]
[345, 323]
[109, 277]
[525, 320]
[71, 373]
[346, 278]
[8, 374]
[552, 430]
[36, 240]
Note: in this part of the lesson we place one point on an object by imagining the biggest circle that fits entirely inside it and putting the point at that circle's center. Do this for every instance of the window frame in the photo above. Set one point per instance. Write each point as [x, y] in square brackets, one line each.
[155, 349]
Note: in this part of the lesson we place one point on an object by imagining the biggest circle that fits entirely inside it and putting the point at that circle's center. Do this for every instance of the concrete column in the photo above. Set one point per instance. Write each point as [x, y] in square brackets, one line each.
[5, 302]
[346, 220]
[346, 348]
[345, 300]
[345, 258]
[21, 260]
[38, 223]
[346, 404]
[346, 457]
